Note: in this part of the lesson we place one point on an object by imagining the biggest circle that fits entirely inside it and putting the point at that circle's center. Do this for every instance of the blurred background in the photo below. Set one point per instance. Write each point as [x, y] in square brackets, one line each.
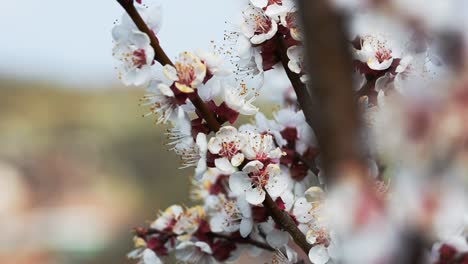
[79, 166]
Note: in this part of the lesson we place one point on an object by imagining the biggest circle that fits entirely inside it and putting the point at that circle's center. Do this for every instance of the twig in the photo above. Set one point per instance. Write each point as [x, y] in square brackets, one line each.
[305, 101]
[202, 108]
[286, 222]
[163, 59]
[159, 53]
[245, 241]
[151, 231]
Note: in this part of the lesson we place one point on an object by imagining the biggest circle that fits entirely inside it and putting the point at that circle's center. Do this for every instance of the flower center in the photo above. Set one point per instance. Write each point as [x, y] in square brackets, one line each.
[383, 54]
[262, 25]
[278, 2]
[260, 179]
[322, 237]
[228, 149]
[233, 213]
[185, 73]
[139, 58]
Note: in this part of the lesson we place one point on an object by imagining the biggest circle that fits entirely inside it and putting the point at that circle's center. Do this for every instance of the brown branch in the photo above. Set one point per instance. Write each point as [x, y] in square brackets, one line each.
[305, 101]
[143, 232]
[248, 241]
[159, 53]
[338, 132]
[286, 222]
[329, 64]
[163, 59]
[206, 113]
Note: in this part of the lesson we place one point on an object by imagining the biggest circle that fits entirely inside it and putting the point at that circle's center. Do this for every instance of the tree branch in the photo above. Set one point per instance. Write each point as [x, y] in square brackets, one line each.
[245, 241]
[286, 222]
[329, 64]
[143, 232]
[202, 108]
[305, 101]
[163, 59]
[159, 53]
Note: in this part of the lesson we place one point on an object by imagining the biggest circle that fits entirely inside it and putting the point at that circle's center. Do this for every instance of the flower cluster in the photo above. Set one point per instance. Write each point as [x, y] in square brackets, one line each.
[415, 131]
[268, 29]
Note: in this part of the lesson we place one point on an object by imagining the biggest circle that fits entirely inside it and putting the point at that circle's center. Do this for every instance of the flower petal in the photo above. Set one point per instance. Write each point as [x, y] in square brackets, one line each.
[149, 257]
[239, 182]
[237, 160]
[246, 226]
[277, 238]
[170, 72]
[224, 165]
[319, 255]
[214, 145]
[255, 196]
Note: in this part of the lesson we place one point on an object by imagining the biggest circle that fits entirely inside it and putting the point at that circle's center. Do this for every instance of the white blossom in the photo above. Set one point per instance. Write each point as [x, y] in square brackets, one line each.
[254, 180]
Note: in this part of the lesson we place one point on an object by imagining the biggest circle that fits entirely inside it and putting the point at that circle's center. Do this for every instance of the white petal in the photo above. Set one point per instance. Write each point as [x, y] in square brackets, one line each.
[258, 39]
[149, 257]
[141, 40]
[166, 90]
[275, 154]
[318, 255]
[217, 223]
[277, 238]
[200, 169]
[214, 145]
[255, 196]
[227, 131]
[243, 47]
[404, 63]
[311, 236]
[259, 3]
[275, 10]
[245, 226]
[201, 142]
[204, 247]
[120, 33]
[277, 183]
[170, 72]
[237, 160]
[135, 254]
[374, 64]
[239, 182]
[248, 109]
[142, 75]
[288, 199]
[253, 166]
[301, 210]
[244, 207]
[247, 30]
[314, 194]
[224, 166]
[153, 17]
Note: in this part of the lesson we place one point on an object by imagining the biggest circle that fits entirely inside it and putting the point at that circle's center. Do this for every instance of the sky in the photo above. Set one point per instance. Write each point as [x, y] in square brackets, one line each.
[70, 41]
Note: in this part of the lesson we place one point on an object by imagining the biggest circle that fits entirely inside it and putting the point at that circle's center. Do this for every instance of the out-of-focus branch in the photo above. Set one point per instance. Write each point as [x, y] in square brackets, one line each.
[329, 64]
[161, 57]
